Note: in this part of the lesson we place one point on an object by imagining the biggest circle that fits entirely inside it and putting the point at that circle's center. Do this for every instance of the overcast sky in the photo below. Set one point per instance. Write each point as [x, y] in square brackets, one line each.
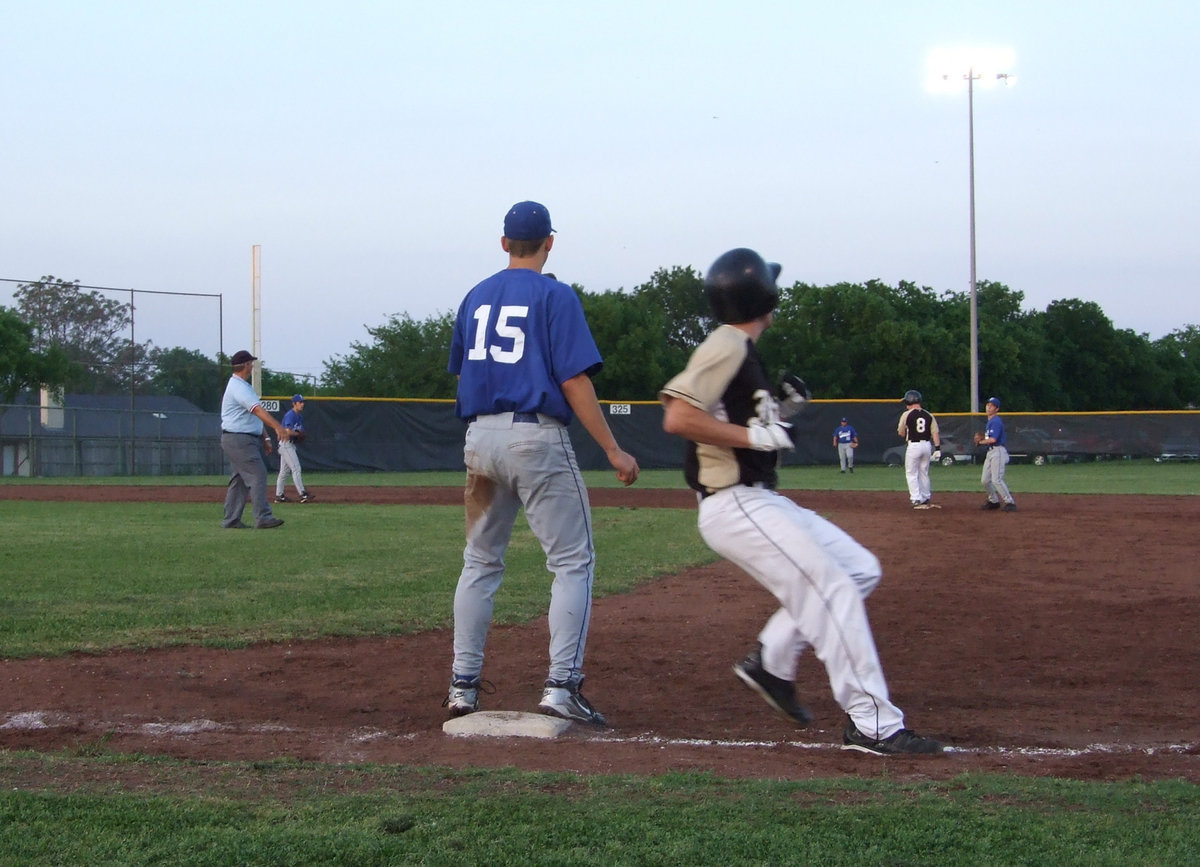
[372, 148]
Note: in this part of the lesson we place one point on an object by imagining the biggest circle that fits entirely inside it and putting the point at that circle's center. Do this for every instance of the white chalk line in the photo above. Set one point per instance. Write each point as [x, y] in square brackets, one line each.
[1049, 752]
[43, 720]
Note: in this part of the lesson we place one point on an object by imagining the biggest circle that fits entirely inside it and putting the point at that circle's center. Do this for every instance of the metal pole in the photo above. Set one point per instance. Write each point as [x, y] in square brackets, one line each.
[974, 303]
[132, 411]
[256, 315]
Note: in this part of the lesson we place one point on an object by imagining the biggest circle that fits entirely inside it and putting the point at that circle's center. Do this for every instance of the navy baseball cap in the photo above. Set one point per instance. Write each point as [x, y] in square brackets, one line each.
[845, 419]
[297, 398]
[994, 400]
[527, 221]
[241, 357]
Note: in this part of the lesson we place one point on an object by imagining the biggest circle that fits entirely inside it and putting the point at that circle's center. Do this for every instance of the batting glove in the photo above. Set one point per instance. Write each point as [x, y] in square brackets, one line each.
[937, 454]
[769, 437]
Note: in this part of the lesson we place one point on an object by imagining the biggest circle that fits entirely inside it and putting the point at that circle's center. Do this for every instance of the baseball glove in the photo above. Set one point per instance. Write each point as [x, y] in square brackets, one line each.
[978, 438]
[792, 393]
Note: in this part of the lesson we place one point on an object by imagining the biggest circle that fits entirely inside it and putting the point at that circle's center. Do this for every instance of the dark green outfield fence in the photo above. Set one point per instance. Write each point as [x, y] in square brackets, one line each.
[352, 434]
[349, 434]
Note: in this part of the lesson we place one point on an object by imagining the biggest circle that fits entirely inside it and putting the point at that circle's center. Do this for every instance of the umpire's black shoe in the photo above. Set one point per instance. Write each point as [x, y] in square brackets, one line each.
[989, 506]
[780, 694]
[903, 742]
[268, 524]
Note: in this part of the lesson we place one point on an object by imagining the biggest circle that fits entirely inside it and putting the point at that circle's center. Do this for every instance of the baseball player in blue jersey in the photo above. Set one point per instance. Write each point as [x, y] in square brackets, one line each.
[725, 405]
[289, 461]
[845, 439]
[993, 436]
[524, 357]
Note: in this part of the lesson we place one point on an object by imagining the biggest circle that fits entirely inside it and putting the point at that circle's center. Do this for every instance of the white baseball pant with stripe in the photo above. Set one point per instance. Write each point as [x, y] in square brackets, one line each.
[820, 575]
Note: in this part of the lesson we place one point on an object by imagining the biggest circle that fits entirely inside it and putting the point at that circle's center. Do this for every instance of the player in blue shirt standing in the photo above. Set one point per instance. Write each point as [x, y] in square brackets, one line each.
[289, 460]
[845, 439]
[524, 357]
[993, 436]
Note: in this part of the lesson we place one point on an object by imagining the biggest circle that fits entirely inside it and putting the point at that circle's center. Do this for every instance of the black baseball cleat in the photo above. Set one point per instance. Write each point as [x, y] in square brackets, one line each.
[780, 694]
[1010, 507]
[306, 497]
[989, 506]
[903, 742]
[280, 498]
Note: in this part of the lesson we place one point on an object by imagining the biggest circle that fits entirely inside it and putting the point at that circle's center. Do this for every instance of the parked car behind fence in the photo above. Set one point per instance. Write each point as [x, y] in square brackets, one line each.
[953, 452]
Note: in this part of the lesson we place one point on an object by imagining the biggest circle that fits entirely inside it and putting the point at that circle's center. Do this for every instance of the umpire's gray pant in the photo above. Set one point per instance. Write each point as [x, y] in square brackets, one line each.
[248, 478]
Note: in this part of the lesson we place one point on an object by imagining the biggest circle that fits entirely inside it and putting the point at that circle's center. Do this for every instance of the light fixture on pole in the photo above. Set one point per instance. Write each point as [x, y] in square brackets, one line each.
[946, 69]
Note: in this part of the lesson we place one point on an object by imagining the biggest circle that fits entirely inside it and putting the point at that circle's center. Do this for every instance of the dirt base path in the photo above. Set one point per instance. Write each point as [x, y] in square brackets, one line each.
[1057, 640]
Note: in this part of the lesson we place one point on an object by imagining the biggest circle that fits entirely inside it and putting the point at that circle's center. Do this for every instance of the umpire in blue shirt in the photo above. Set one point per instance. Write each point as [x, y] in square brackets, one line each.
[243, 440]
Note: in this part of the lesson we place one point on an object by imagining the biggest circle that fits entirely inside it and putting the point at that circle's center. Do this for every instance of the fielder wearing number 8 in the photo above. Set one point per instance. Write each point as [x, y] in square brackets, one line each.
[735, 421]
[920, 429]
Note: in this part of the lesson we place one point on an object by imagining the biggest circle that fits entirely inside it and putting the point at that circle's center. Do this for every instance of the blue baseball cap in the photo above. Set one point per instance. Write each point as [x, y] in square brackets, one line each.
[994, 400]
[297, 398]
[527, 221]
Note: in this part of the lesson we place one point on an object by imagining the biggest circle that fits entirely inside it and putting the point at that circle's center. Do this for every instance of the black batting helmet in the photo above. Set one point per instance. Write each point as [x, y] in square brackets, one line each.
[740, 286]
[912, 396]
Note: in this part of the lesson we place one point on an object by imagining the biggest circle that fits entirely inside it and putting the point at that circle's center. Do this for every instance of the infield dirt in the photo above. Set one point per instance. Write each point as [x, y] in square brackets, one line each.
[1056, 640]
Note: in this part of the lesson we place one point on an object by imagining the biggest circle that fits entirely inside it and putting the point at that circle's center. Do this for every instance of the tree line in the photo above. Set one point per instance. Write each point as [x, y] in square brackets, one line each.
[847, 340]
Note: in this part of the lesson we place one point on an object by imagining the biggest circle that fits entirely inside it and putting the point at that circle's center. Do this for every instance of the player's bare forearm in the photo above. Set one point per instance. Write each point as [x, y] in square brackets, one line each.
[682, 419]
[269, 421]
[581, 395]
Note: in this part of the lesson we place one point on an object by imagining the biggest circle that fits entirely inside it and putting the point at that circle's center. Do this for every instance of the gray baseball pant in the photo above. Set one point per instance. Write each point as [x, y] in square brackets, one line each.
[289, 465]
[993, 475]
[511, 465]
[247, 479]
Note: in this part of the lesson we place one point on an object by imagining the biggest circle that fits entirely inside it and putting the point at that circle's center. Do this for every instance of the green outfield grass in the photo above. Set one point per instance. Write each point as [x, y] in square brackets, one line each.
[94, 576]
[79, 576]
[1142, 476]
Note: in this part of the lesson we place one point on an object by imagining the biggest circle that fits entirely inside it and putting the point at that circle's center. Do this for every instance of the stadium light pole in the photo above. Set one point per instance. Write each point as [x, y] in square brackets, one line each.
[971, 65]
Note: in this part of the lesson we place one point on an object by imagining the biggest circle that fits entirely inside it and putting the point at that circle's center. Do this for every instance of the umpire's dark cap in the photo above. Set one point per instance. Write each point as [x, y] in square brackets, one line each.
[241, 357]
[527, 221]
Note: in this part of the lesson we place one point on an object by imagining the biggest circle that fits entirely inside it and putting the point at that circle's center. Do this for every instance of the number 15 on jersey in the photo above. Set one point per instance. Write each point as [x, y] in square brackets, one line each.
[508, 329]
